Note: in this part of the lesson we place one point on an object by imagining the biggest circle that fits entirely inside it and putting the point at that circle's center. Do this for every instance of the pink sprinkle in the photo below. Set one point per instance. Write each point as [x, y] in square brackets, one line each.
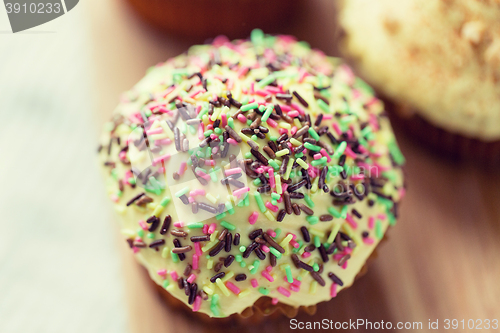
[179, 224]
[232, 141]
[242, 71]
[242, 118]
[286, 108]
[272, 183]
[210, 127]
[317, 156]
[293, 130]
[271, 206]
[358, 176]
[233, 171]
[262, 93]
[306, 255]
[333, 290]
[267, 276]
[337, 128]
[163, 142]
[274, 301]
[269, 268]
[213, 136]
[223, 119]
[162, 272]
[143, 225]
[193, 94]
[197, 304]
[254, 283]
[327, 117]
[196, 261]
[284, 186]
[241, 191]
[271, 233]
[198, 108]
[157, 130]
[351, 221]
[201, 136]
[252, 91]
[368, 240]
[235, 290]
[259, 170]
[382, 216]
[138, 239]
[135, 250]
[298, 108]
[273, 90]
[371, 222]
[264, 248]
[190, 199]
[209, 162]
[161, 158]
[294, 244]
[293, 114]
[294, 288]
[272, 123]
[205, 229]
[229, 84]
[202, 175]
[211, 229]
[253, 218]
[344, 266]
[349, 152]
[296, 283]
[282, 131]
[324, 153]
[191, 278]
[197, 248]
[173, 275]
[283, 291]
[196, 192]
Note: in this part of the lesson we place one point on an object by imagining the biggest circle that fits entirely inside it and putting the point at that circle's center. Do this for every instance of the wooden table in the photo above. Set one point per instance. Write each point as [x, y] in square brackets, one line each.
[442, 260]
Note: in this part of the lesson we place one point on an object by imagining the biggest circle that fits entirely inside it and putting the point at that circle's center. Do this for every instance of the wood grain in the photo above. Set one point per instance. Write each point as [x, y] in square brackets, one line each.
[442, 259]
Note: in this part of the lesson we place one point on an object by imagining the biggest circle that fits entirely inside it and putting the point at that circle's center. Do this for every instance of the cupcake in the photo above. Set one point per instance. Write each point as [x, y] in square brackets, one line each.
[202, 18]
[438, 65]
[252, 175]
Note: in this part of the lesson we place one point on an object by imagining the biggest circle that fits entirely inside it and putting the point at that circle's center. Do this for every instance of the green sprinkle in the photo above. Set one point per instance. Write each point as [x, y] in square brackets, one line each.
[343, 212]
[275, 196]
[273, 164]
[334, 212]
[275, 252]
[259, 201]
[313, 133]
[217, 130]
[207, 133]
[257, 36]
[273, 138]
[312, 220]
[278, 232]
[182, 192]
[317, 242]
[243, 264]
[288, 271]
[195, 225]
[150, 235]
[229, 208]
[230, 122]
[269, 110]
[242, 248]
[250, 106]
[378, 230]
[340, 149]
[165, 201]
[391, 218]
[165, 283]
[220, 216]
[248, 155]
[264, 291]
[131, 180]
[312, 147]
[322, 160]
[175, 257]
[228, 225]
[315, 267]
[309, 201]
[238, 258]
[140, 233]
[255, 267]
[257, 182]
[396, 153]
[323, 106]
[266, 81]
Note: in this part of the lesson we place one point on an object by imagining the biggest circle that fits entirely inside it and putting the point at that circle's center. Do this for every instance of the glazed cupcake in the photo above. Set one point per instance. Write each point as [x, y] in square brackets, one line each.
[201, 18]
[252, 175]
[437, 62]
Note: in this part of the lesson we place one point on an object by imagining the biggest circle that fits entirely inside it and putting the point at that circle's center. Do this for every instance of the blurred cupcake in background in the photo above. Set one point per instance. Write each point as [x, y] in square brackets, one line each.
[437, 63]
[208, 18]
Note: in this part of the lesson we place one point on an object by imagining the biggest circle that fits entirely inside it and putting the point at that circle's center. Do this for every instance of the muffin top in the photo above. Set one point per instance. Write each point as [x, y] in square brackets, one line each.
[440, 59]
[252, 168]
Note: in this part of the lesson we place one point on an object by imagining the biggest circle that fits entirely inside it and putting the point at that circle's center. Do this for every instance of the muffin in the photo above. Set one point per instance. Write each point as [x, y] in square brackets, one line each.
[252, 175]
[202, 18]
[438, 65]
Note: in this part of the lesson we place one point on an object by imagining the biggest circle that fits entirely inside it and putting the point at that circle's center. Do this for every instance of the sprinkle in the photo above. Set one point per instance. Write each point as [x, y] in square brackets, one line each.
[222, 287]
[259, 201]
[228, 225]
[333, 290]
[234, 289]
[254, 283]
[269, 216]
[250, 106]
[264, 291]
[302, 163]
[267, 276]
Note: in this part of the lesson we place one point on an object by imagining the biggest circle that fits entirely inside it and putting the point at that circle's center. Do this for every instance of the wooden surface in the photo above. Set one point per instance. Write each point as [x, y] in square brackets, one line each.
[442, 260]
